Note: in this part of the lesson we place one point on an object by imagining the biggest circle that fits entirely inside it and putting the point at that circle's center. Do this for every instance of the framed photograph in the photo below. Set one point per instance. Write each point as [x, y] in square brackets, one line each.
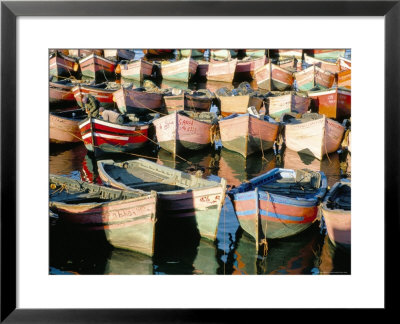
[118, 76]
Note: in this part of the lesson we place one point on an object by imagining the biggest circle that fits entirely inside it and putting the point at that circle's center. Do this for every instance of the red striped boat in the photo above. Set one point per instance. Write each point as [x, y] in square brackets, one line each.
[127, 218]
[85, 52]
[137, 70]
[61, 65]
[222, 70]
[279, 203]
[98, 68]
[334, 103]
[247, 66]
[247, 134]
[336, 211]
[312, 77]
[60, 93]
[179, 194]
[273, 77]
[183, 130]
[102, 136]
[137, 101]
[332, 67]
[64, 126]
[103, 94]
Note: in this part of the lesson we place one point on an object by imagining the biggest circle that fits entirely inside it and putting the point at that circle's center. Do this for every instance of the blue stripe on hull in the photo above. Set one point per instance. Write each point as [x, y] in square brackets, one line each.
[264, 213]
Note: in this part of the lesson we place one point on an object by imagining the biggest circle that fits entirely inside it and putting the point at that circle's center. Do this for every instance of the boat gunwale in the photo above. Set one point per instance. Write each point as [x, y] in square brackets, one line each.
[318, 195]
[102, 171]
[335, 187]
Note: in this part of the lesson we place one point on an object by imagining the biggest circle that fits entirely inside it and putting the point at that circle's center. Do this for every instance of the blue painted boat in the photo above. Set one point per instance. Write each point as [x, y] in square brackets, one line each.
[279, 203]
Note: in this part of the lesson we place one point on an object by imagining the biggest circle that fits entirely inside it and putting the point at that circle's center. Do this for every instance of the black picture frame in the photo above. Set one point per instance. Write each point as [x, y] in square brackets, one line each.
[10, 10]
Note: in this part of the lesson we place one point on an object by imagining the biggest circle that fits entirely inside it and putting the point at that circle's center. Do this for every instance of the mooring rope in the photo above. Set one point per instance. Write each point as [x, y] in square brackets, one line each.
[264, 240]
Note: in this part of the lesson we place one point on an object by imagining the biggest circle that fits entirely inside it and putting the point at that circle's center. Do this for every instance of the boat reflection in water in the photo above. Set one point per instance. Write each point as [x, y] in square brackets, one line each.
[291, 255]
[236, 169]
[330, 164]
[334, 259]
[65, 159]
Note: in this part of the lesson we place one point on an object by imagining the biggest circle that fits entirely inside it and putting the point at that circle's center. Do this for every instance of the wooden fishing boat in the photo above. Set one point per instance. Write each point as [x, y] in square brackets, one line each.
[85, 52]
[182, 70]
[202, 68]
[344, 79]
[64, 126]
[336, 211]
[313, 134]
[198, 101]
[223, 54]
[119, 54]
[60, 93]
[61, 50]
[289, 64]
[333, 103]
[278, 203]
[61, 65]
[179, 194]
[213, 86]
[312, 77]
[191, 52]
[344, 63]
[184, 130]
[98, 68]
[137, 101]
[157, 52]
[332, 67]
[247, 134]
[255, 52]
[328, 54]
[247, 66]
[285, 53]
[238, 104]
[273, 77]
[280, 103]
[221, 70]
[174, 100]
[136, 70]
[100, 136]
[126, 217]
[103, 92]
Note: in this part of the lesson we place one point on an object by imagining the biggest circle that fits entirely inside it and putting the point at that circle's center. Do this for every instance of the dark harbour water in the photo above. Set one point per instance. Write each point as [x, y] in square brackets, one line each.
[178, 247]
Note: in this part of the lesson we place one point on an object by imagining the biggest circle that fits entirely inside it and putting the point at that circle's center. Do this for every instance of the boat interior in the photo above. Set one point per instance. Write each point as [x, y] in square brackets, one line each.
[78, 192]
[340, 198]
[301, 184]
[137, 175]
